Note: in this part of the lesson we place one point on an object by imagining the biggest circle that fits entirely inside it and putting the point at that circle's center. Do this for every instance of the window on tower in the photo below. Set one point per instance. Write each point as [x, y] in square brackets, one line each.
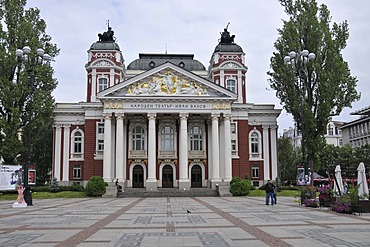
[231, 85]
[102, 84]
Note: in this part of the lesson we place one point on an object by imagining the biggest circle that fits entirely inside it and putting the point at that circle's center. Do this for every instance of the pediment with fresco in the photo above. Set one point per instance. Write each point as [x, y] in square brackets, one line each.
[167, 81]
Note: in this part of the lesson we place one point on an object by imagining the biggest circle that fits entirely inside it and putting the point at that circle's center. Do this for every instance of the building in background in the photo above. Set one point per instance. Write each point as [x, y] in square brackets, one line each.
[165, 121]
[333, 135]
[357, 132]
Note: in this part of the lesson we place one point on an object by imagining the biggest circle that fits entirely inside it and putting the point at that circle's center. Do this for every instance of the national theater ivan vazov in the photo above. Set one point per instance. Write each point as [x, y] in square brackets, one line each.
[165, 121]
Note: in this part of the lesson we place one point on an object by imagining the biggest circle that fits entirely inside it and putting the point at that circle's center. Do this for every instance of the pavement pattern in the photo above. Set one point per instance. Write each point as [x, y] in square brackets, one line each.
[178, 221]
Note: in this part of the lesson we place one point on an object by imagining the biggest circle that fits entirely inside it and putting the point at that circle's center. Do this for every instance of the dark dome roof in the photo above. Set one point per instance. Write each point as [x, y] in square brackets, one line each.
[105, 45]
[149, 61]
[228, 48]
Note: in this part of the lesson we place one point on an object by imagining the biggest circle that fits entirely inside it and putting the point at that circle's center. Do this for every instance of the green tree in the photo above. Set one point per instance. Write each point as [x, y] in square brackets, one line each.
[21, 85]
[288, 159]
[312, 92]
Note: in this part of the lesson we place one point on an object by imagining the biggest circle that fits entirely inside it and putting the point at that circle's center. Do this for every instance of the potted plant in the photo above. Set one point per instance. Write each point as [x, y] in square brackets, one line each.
[325, 196]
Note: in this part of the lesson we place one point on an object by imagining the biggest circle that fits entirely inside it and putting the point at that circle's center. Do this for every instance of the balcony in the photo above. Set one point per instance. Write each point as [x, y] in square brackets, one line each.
[137, 154]
[197, 154]
[167, 154]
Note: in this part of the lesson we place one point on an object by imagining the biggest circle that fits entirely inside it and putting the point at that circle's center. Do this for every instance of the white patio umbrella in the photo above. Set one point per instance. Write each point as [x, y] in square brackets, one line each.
[363, 188]
[338, 184]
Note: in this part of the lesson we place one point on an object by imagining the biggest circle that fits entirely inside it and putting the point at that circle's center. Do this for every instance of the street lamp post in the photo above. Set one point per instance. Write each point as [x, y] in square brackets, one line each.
[30, 61]
[299, 62]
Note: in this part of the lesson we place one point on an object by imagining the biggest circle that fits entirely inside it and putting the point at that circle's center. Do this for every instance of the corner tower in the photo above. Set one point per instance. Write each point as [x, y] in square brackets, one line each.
[105, 66]
[227, 66]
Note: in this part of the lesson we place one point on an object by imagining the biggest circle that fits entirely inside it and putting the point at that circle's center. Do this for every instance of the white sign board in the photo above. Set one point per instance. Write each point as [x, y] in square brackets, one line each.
[10, 176]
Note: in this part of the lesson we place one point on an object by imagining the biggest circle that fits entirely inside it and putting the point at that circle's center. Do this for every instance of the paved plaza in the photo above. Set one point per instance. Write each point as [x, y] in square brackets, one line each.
[178, 221]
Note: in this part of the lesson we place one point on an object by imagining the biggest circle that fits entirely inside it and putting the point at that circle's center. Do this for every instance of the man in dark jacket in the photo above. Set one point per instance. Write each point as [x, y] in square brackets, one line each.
[269, 188]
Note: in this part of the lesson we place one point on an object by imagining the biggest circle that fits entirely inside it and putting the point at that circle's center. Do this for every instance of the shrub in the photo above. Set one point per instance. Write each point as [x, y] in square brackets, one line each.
[95, 186]
[235, 179]
[240, 188]
[54, 185]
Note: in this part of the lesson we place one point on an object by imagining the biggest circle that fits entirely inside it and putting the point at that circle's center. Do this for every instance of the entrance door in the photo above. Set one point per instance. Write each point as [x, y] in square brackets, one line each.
[138, 174]
[167, 177]
[196, 176]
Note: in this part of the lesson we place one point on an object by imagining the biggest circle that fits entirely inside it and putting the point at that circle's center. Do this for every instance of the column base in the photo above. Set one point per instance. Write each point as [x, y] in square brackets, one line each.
[184, 184]
[214, 183]
[151, 185]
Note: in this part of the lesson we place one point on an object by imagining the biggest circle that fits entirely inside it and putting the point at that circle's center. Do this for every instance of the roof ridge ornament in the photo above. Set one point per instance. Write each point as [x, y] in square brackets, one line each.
[225, 36]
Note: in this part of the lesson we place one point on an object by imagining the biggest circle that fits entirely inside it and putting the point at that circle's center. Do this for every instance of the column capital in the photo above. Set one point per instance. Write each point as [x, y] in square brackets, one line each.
[152, 116]
[66, 126]
[215, 115]
[107, 115]
[265, 127]
[184, 115]
[120, 115]
[58, 126]
[227, 116]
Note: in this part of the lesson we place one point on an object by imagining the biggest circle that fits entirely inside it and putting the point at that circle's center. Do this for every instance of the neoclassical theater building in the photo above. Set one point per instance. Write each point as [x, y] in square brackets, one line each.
[165, 121]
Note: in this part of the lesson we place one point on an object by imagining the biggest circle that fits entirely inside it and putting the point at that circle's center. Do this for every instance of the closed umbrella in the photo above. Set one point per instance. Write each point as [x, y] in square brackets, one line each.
[363, 188]
[338, 183]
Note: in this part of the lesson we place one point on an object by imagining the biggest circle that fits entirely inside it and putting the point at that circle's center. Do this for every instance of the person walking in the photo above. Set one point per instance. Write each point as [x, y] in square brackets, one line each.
[269, 188]
[275, 192]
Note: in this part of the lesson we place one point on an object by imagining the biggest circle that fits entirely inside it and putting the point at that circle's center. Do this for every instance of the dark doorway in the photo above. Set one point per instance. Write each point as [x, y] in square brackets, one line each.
[196, 176]
[167, 177]
[138, 174]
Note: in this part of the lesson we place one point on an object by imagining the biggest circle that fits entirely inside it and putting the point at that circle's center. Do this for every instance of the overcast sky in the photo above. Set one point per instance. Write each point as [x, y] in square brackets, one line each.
[192, 27]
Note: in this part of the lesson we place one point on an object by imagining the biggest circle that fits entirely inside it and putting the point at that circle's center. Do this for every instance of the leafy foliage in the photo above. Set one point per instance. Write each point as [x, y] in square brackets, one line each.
[288, 159]
[95, 186]
[239, 187]
[54, 185]
[25, 89]
[314, 92]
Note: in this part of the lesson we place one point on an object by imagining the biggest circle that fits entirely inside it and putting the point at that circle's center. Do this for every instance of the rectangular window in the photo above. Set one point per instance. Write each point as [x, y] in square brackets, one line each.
[100, 128]
[233, 128]
[255, 172]
[233, 145]
[76, 172]
[101, 145]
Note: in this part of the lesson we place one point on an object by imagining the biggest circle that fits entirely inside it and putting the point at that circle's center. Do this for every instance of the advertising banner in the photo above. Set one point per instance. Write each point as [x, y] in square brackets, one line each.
[10, 176]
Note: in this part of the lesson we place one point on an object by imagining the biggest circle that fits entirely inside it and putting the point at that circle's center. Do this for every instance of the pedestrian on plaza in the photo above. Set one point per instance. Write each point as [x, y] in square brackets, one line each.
[275, 192]
[269, 188]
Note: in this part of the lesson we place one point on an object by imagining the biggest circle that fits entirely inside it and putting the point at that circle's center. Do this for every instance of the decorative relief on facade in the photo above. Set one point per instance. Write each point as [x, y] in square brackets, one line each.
[103, 63]
[230, 65]
[230, 57]
[113, 105]
[221, 106]
[103, 55]
[167, 83]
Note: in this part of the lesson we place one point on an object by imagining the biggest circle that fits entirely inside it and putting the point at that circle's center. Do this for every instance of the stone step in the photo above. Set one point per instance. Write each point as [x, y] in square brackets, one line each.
[168, 192]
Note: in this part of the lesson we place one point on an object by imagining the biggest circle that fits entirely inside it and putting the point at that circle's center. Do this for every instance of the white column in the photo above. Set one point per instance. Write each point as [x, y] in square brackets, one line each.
[111, 77]
[222, 78]
[107, 158]
[151, 182]
[266, 156]
[93, 85]
[210, 151]
[184, 182]
[66, 151]
[227, 146]
[215, 152]
[57, 152]
[274, 161]
[119, 148]
[221, 137]
[240, 94]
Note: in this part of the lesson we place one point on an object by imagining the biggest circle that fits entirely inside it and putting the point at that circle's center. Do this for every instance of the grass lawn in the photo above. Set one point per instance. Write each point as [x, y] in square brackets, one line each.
[292, 193]
[46, 195]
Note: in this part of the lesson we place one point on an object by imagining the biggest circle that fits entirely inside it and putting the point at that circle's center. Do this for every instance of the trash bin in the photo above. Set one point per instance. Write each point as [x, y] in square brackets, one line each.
[27, 195]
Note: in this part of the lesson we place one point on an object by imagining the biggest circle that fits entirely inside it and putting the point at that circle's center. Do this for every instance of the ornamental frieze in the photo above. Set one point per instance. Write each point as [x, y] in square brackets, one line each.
[167, 83]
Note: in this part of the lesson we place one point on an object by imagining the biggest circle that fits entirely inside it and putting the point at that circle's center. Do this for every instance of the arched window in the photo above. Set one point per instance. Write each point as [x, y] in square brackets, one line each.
[255, 145]
[196, 139]
[77, 141]
[231, 85]
[330, 130]
[102, 84]
[167, 139]
[138, 138]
